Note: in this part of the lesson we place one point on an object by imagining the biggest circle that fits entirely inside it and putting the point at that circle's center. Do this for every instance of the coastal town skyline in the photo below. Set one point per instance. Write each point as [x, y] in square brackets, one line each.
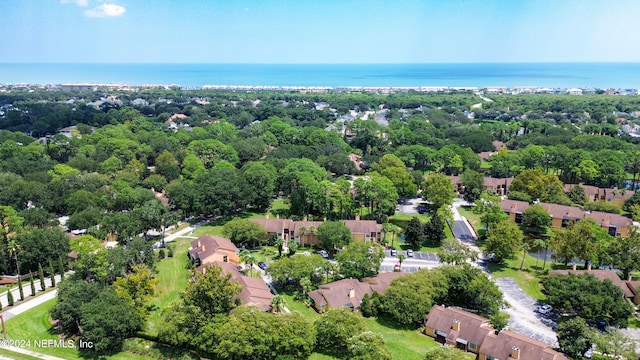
[351, 32]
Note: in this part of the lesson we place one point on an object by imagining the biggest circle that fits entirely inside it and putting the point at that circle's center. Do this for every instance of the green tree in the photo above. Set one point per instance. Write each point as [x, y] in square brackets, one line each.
[9, 298]
[335, 327]
[537, 218]
[243, 231]
[473, 183]
[453, 252]
[588, 297]
[378, 194]
[395, 170]
[445, 353]
[625, 253]
[503, 240]
[577, 195]
[411, 296]
[542, 244]
[52, 272]
[438, 190]
[360, 260]
[613, 344]
[367, 346]
[277, 304]
[413, 233]
[20, 290]
[499, 320]
[107, 321]
[254, 334]
[41, 276]
[538, 185]
[295, 267]
[62, 267]
[137, 288]
[333, 235]
[574, 337]
[492, 215]
[434, 230]
[72, 294]
[469, 287]
[211, 293]
[248, 259]
[261, 183]
[167, 166]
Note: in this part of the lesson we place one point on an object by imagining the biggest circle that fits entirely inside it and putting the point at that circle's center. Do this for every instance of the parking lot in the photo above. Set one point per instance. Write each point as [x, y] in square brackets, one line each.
[420, 260]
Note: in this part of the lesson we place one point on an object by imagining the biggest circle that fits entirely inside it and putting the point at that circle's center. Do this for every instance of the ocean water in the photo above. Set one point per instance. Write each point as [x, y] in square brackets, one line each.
[554, 75]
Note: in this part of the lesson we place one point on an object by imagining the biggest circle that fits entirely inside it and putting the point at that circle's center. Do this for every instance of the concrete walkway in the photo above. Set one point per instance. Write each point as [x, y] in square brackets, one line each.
[26, 290]
[30, 353]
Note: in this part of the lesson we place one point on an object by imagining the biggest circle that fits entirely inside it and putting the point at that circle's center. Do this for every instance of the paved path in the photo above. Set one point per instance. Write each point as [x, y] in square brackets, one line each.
[26, 289]
[522, 315]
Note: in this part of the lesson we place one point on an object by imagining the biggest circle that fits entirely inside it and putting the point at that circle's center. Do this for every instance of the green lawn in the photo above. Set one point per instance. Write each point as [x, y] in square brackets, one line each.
[16, 356]
[473, 218]
[34, 324]
[402, 343]
[527, 278]
[172, 274]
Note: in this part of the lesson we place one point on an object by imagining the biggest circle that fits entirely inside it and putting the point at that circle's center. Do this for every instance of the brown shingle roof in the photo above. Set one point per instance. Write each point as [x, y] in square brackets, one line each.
[274, 225]
[381, 282]
[254, 291]
[472, 328]
[336, 294]
[558, 211]
[501, 346]
[363, 226]
[207, 245]
[599, 274]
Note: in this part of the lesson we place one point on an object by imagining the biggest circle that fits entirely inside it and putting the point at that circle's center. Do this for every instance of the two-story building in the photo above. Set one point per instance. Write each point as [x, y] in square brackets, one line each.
[208, 249]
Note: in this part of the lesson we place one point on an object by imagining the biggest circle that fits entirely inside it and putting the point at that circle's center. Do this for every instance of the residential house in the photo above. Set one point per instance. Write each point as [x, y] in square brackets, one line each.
[305, 232]
[563, 215]
[496, 186]
[455, 327]
[511, 345]
[615, 196]
[208, 249]
[628, 287]
[349, 292]
[254, 291]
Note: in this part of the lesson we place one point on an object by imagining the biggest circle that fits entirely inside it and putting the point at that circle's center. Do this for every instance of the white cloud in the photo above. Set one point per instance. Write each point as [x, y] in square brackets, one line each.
[105, 10]
[83, 3]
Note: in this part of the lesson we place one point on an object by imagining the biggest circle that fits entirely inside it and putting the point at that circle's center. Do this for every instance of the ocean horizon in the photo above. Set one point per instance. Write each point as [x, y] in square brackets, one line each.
[481, 75]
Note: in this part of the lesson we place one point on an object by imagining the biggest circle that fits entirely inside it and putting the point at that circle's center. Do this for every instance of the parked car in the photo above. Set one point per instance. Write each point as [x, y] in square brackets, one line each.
[324, 254]
[394, 252]
[262, 265]
[422, 209]
[545, 309]
[410, 253]
[396, 267]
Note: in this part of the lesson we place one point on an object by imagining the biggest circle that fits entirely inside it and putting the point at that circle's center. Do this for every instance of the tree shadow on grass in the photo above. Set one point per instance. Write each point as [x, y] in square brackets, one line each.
[393, 324]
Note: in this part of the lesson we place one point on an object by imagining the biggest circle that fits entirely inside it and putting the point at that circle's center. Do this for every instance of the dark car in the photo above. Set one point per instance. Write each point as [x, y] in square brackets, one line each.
[394, 252]
[262, 265]
[422, 209]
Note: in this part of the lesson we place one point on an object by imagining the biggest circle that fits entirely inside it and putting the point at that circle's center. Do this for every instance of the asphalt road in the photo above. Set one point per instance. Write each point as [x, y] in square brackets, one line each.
[420, 260]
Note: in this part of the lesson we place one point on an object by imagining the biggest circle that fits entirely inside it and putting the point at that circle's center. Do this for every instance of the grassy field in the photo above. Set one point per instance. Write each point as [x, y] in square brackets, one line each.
[172, 274]
[473, 218]
[34, 324]
[402, 342]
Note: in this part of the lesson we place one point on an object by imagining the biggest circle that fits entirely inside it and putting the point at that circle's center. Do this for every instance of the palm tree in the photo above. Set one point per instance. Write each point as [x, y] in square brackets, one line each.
[14, 250]
[524, 247]
[277, 304]
[401, 258]
[305, 284]
[280, 244]
[329, 267]
[542, 243]
[248, 259]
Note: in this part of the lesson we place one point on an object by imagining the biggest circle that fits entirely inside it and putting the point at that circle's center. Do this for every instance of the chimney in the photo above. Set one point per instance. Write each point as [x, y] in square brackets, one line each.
[515, 352]
[352, 293]
[357, 217]
[268, 214]
[589, 267]
[629, 278]
[574, 267]
[277, 216]
[456, 325]
[199, 243]
[202, 248]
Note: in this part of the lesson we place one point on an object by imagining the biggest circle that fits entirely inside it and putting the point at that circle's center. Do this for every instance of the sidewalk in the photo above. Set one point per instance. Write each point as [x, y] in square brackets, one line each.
[26, 290]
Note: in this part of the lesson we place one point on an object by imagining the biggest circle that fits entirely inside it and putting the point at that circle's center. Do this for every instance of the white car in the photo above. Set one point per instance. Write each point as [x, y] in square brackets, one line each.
[324, 254]
[545, 309]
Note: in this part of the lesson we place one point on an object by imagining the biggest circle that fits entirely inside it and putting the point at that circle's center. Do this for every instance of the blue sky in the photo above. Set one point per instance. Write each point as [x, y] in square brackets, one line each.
[319, 31]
